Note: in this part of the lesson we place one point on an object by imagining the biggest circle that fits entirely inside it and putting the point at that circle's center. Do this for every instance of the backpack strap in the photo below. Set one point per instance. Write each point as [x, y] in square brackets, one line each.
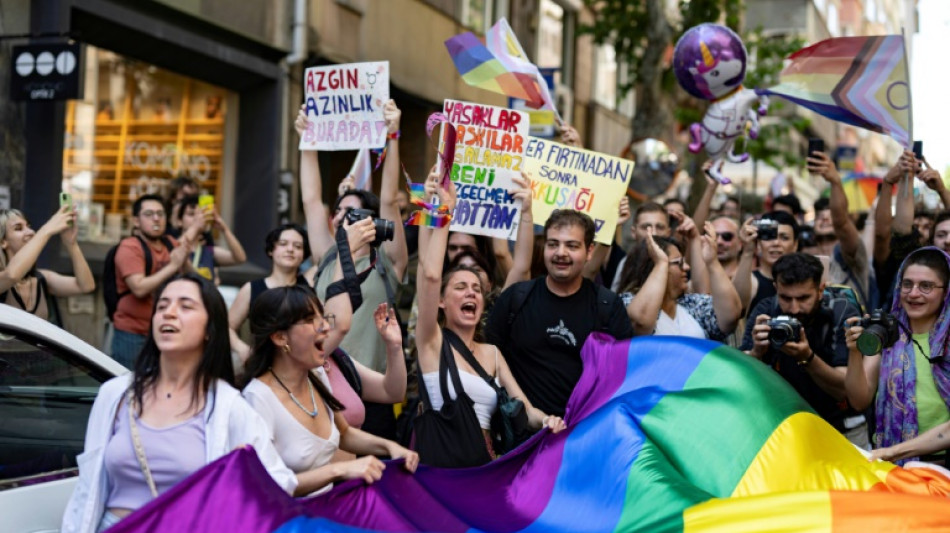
[469, 357]
[519, 295]
[52, 305]
[604, 297]
[324, 263]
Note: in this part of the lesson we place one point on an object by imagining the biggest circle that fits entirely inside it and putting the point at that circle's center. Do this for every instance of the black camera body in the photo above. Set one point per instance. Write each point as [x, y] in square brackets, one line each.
[767, 229]
[384, 228]
[880, 331]
[784, 329]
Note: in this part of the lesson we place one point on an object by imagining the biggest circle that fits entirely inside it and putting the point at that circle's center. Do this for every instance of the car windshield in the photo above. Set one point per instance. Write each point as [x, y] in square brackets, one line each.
[46, 393]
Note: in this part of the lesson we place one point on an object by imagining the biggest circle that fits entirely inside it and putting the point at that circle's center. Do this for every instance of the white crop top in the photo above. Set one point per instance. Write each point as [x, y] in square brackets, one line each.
[483, 396]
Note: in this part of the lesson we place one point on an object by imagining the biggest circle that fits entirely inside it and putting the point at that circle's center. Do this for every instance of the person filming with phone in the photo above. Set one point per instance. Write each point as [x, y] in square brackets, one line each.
[800, 333]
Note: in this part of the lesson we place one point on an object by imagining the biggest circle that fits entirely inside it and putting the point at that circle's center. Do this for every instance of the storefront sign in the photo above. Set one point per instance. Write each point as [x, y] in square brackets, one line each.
[489, 151]
[345, 106]
[565, 177]
[46, 72]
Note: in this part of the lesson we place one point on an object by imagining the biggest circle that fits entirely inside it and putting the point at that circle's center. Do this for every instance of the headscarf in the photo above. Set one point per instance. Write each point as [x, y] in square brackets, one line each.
[896, 403]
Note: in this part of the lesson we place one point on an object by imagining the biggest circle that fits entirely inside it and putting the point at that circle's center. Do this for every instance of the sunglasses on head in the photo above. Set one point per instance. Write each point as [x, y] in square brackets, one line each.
[726, 236]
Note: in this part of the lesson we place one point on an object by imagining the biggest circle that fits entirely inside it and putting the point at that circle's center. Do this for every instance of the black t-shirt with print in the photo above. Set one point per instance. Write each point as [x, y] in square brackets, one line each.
[543, 344]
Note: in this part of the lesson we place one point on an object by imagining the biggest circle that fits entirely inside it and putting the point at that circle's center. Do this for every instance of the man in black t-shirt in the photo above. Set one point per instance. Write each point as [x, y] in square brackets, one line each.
[541, 325]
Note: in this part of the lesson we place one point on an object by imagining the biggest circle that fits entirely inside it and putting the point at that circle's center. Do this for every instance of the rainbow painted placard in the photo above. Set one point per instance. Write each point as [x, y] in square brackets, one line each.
[489, 151]
[664, 434]
[344, 104]
[565, 177]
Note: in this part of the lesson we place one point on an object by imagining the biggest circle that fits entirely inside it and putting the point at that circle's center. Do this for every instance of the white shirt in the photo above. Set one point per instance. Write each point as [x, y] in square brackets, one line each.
[300, 449]
[483, 396]
[232, 423]
[684, 325]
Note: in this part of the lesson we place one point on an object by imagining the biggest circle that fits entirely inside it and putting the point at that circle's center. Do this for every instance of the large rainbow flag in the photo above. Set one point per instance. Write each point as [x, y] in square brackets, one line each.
[499, 65]
[664, 434]
[862, 81]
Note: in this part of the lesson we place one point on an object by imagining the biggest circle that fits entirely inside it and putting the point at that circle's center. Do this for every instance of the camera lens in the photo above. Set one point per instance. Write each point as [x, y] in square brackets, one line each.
[780, 334]
[871, 340]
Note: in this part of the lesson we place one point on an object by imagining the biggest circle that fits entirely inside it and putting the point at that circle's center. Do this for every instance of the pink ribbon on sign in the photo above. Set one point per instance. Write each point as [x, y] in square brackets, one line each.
[447, 156]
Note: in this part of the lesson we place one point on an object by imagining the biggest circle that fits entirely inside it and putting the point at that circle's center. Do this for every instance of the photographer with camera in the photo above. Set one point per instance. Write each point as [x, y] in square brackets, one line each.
[899, 362]
[800, 334]
[388, 255]
[770, 237]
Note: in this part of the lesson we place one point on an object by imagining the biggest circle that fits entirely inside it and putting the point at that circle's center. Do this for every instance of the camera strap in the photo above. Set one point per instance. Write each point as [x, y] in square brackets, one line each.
[351, 281]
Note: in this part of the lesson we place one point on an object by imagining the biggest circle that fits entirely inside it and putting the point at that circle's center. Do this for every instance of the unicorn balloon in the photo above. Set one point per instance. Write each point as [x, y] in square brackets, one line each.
[709, 62]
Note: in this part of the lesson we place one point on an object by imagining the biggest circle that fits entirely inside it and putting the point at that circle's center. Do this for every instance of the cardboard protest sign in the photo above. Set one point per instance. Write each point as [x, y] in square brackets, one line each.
[565, 177]
[344, 104]
[489, 151]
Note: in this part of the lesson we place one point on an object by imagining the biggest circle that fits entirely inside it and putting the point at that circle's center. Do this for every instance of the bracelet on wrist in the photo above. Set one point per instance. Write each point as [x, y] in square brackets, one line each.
[394, 135]
[807, 360]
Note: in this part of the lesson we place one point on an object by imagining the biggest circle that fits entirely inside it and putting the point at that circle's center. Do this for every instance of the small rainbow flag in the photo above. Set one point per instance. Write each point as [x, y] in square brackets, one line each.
[362, 170]
[664, 434]
[501, 66]
[862, 81]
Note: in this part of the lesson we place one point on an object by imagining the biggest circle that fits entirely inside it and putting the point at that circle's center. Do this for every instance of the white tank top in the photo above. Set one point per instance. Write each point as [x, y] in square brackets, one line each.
[483, 396]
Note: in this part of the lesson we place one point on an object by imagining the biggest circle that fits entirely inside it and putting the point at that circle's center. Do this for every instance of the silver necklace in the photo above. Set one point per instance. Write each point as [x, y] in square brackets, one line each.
[313, 399]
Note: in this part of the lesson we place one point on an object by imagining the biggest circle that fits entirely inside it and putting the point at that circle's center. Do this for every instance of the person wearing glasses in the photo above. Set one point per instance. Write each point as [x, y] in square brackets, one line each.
[135, 285]
[908, 384]
[292, 337]
[800, 333]
[728, 244]
[656, 291]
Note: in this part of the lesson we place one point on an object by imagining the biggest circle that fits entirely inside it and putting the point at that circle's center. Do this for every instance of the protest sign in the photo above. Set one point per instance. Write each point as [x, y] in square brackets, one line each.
[489, 151]
[565, 177]
[344, 104]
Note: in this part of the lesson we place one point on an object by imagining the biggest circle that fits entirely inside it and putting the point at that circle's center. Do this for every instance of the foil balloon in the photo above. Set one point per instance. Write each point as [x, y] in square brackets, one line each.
[709, 62]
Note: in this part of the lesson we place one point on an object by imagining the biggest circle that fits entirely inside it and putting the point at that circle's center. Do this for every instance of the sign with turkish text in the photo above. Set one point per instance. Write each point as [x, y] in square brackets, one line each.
[344, 104]
[566, 177]
[489, 152]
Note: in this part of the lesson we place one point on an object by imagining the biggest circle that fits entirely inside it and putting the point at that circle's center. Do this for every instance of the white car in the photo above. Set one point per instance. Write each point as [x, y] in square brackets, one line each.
[48, 381]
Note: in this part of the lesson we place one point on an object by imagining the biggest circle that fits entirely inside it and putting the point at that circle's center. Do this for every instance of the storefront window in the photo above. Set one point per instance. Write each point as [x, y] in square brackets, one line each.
[139, 127]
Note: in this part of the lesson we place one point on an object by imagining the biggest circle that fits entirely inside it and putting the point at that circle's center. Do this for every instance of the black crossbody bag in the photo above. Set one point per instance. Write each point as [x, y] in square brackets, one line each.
[509, 422]
[450, 437]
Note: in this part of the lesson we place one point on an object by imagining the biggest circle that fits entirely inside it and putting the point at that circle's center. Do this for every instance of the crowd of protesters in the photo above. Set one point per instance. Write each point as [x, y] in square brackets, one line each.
[854, 319]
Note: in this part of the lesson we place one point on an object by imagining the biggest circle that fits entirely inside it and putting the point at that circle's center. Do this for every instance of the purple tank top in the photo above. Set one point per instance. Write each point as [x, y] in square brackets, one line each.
[173, 453]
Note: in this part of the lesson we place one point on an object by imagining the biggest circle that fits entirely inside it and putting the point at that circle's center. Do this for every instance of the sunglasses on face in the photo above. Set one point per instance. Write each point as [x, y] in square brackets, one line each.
[726, 236]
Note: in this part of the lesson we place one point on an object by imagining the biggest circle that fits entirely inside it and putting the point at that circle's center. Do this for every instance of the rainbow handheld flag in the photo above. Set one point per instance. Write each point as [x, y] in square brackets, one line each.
[862, 81]
[501, 66]
[664, 434]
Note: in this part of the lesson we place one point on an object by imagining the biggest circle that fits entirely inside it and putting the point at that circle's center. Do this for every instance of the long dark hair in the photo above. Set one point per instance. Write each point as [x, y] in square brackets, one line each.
[485, 248]
[638, 266]
[277, 310]
[215, 360]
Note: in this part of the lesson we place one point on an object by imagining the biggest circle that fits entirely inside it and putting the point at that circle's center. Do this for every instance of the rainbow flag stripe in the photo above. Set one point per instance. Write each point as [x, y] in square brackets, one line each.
[664, 434]
[860, 81]
[502, 69]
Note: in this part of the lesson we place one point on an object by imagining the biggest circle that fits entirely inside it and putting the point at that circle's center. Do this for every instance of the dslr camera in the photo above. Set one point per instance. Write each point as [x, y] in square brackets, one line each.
[767, 229]
[384, 228]
[784, 329]
[880, 332]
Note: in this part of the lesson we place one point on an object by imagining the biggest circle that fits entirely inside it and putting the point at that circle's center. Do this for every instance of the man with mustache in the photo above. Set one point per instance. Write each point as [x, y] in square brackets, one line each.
[814, 357]
[541, 325]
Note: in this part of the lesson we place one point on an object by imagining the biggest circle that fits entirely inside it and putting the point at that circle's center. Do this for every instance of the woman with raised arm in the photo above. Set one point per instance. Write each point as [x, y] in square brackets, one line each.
[32, 289]
[656, 281]
[175, 413]
[459, 297]
[305, 421]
